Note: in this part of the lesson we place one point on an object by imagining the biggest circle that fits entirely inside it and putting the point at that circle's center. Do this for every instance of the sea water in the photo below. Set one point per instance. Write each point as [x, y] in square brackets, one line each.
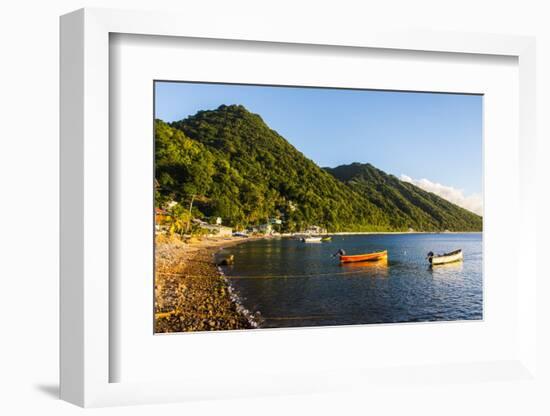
[296, 284]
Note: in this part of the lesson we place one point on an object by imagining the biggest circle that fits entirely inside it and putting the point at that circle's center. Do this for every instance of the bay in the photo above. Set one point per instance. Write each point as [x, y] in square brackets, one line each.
[296, 284]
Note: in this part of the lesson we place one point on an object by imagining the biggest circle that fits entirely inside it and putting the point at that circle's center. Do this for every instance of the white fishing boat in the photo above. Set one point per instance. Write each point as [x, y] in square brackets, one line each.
[312, 239]
[451, 257]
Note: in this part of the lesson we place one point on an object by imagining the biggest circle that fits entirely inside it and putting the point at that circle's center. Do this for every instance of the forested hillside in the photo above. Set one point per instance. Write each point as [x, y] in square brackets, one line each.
[405, 204]
[232, 165]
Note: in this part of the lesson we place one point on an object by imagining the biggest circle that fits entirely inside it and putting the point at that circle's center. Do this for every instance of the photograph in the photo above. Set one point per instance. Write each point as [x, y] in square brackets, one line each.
[297, 206]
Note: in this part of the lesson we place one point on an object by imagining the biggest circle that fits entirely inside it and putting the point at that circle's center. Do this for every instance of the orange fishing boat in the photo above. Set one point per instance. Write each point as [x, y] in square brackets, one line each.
[364, 257]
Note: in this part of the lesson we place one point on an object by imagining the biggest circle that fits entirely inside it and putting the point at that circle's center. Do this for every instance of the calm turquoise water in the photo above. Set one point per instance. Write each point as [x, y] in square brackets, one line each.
[295, 284]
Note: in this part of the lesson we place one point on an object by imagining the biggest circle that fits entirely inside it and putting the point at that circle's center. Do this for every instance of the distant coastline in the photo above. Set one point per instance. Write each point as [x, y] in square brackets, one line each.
[405, 232]
[382, 233]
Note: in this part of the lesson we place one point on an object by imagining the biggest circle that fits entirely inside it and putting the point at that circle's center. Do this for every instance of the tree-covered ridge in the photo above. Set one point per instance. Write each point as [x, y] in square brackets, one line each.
[234, 166]
[407, 205]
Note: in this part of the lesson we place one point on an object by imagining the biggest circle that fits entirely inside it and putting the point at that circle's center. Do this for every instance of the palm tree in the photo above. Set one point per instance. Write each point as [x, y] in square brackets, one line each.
[189, 218]
[179, 220]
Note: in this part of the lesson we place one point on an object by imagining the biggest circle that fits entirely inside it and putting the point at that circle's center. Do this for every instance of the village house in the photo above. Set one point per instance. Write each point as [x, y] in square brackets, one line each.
[161, 218]
[217, 230]
[266, 228]
[315, 229]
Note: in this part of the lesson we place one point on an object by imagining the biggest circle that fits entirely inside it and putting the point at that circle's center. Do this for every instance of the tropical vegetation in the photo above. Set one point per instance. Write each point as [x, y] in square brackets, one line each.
[228, 163]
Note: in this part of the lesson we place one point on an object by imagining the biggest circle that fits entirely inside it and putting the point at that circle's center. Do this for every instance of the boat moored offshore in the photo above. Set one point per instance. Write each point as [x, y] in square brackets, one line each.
[450, 257]
[381, 255]
[312, 239]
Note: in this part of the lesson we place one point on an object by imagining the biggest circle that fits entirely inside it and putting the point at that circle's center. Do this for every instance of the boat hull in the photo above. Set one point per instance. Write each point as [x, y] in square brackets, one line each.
[452, 257]
[312, 240]
[365, 257]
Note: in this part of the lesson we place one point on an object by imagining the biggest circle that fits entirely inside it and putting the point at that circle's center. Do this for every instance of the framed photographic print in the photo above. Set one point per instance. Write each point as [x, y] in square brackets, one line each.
[320, 199]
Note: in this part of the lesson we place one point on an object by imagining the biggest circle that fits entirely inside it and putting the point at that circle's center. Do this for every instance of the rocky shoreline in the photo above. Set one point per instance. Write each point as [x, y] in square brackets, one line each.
[191, 292]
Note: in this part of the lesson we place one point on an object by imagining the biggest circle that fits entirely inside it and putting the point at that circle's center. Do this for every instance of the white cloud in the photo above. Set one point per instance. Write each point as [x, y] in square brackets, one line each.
[473, 202]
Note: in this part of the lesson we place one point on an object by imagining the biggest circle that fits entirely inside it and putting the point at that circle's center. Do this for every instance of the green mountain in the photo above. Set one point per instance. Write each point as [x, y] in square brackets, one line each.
[407, 205]
[234, 166]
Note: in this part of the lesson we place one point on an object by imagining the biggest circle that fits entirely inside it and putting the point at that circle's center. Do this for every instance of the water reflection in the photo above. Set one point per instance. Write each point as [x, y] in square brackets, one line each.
[296, 284]
[367, 268]
[446, 271]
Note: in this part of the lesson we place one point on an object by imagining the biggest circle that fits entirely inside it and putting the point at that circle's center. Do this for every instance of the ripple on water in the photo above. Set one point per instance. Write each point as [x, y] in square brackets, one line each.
[295, 284]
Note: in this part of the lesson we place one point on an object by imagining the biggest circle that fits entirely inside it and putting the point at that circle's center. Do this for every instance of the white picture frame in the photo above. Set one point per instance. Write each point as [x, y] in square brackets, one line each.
[86, 355]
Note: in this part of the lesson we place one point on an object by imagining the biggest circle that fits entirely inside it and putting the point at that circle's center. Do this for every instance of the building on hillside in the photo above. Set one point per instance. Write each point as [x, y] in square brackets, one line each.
[213, 220]
[171, 204]
[315, 229]
[217, 230]
[266, 228]
[161, 219]
[160, 214]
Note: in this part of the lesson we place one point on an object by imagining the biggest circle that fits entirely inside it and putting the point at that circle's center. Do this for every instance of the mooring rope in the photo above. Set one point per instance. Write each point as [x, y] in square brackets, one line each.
[275, 276]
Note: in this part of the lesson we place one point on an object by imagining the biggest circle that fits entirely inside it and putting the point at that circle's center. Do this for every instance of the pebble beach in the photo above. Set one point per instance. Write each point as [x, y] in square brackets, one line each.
[191, 293]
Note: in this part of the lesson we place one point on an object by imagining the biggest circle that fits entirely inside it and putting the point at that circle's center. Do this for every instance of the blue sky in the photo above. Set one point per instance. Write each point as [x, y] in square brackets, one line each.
[437, 137]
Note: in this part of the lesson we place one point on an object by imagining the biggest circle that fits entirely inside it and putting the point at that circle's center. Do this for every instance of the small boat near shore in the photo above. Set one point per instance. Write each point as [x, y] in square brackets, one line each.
[446, 258]
[381, 255]
[326, 239]
[312, 239]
